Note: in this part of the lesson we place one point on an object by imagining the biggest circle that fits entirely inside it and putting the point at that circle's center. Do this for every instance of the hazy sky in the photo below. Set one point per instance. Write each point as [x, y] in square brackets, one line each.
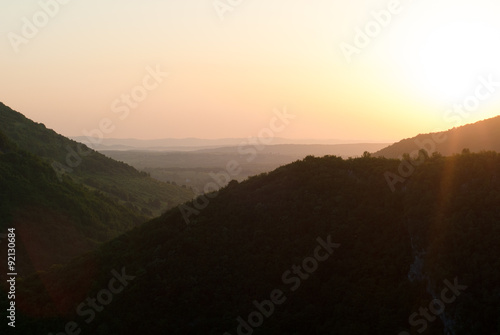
[79, 62]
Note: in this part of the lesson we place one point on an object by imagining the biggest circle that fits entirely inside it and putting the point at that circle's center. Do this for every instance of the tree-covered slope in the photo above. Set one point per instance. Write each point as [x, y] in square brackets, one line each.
[55, 221]
[479, 136]
[71, 159]
[347, 255]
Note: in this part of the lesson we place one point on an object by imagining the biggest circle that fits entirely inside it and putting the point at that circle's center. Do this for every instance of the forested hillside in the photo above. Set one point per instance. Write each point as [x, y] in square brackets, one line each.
[479, 136]
[324, 239]
[55, 221]
[74, 160]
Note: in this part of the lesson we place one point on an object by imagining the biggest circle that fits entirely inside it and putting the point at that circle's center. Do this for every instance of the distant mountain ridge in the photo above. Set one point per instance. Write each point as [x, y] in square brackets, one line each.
[191, 144]
[480, 136]
[302, 150]
[194, 168]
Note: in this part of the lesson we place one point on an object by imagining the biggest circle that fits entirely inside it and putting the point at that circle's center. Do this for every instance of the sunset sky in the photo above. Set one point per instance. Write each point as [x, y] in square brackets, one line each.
[229, 69]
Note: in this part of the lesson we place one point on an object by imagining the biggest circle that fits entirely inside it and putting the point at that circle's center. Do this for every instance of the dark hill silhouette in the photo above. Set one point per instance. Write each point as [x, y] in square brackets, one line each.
[74, 160]
[480, 136]
[54, 221]
[281, 231]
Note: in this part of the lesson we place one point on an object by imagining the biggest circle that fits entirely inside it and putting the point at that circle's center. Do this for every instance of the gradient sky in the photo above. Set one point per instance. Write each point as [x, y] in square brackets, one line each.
[227, 75]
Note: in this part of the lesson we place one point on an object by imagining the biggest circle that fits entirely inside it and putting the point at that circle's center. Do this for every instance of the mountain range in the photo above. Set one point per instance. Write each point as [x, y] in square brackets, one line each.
[192, 144]
[319, 246]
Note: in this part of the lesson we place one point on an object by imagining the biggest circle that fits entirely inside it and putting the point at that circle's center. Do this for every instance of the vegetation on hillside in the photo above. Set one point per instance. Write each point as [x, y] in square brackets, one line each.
[55, 221]
[479, 136]
[83, 165]
[397, 252]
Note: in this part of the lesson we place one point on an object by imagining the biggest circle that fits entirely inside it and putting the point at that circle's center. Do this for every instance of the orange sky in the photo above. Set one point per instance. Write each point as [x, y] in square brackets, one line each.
[228, 69]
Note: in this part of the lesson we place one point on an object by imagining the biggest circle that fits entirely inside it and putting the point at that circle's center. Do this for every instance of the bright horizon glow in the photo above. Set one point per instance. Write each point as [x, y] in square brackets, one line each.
[227, 76]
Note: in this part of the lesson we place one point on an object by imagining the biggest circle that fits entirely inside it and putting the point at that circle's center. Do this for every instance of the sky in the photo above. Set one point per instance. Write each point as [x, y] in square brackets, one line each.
[353, 70]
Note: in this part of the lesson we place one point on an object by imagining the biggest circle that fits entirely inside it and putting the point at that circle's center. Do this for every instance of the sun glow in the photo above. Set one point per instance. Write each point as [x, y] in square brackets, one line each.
[444, 50]
[425, 57]
[455, 55]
